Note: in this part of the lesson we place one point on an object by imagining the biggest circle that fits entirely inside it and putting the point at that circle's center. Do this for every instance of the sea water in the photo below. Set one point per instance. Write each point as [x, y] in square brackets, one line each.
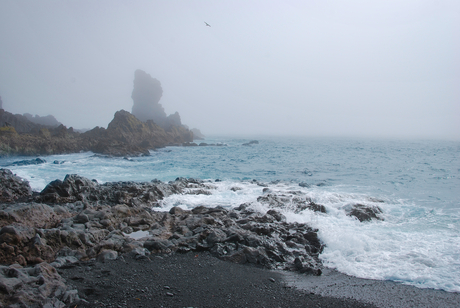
[416, 183]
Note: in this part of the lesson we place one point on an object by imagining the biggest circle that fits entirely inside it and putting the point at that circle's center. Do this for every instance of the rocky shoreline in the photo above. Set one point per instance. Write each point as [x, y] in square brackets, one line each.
[124, 136]
[78, 220]
[63, 246]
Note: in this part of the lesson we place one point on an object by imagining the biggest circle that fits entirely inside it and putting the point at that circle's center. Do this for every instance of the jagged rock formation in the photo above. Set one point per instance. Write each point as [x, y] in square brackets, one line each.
[20, 123]
[127, 135]
[19, 136]
[48, 120]
[78, 219]
[13, 187]
[1, 103]
[124, 136]
[146, 95]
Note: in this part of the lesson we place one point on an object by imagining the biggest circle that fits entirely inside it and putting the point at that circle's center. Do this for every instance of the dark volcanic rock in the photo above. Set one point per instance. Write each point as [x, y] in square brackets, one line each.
[365, 212]
[19, 136]
[128, 136]
[13, 187]
[80, 219]
[38, 286]
[36, 161]
[20, 123]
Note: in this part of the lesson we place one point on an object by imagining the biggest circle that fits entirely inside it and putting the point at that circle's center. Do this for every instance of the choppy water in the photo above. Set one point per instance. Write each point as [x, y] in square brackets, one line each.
[418, 243]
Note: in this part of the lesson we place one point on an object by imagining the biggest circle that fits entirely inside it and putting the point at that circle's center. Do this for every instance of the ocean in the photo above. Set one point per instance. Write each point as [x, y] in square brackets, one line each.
[416, 183]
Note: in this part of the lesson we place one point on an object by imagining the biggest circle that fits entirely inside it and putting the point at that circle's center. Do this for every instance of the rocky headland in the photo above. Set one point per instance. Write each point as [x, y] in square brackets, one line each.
[77, 220]
[128, 134]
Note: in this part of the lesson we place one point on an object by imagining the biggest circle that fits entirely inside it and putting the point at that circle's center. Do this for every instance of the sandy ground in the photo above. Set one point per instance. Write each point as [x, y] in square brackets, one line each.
[188, 280]
[379, 293]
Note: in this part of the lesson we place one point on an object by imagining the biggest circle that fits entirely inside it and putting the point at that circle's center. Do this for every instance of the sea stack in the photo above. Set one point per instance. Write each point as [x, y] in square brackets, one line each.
[146, 95]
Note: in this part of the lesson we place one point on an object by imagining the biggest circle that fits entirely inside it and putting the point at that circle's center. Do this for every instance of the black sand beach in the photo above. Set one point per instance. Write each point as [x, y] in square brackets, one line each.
[188, 280]
[200, 280]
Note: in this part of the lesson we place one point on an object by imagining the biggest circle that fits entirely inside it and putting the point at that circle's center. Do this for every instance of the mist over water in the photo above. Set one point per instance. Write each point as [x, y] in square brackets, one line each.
[415, 183]
[361, 68]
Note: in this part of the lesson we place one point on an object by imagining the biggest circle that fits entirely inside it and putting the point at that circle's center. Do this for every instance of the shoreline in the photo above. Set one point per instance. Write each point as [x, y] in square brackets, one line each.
[81, 230]
[381, 293]
[201, 280]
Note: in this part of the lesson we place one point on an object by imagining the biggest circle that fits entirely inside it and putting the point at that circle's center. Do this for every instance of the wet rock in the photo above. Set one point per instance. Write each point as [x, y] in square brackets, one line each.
[86, 220]
[36, 161]
[13, 187]
[365, 212]
[316, 207]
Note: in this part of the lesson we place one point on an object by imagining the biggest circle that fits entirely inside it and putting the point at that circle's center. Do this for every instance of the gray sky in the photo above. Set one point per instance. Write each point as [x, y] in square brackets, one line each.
[340, 68]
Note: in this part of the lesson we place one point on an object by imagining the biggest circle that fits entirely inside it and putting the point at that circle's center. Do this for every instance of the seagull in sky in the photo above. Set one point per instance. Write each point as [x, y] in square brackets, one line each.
[207, 24]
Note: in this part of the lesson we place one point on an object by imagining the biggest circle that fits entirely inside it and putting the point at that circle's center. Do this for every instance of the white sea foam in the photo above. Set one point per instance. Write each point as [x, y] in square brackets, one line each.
[400, 248]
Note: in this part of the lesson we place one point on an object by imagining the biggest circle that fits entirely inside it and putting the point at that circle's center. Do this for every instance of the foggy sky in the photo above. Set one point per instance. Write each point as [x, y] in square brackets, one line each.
[339, 68]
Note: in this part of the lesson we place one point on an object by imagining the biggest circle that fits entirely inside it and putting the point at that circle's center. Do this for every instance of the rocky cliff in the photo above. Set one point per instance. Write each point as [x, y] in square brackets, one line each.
[146, 96]
[126, 135]
[48, 120]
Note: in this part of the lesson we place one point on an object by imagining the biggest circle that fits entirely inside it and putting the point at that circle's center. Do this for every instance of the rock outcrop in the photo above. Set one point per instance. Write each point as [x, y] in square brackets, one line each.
[127, 135]
[79, 219]
[48, 120]
[20, 123]
[12, 187]
[364, 213]
[38, 286]
[146, 95]
[124, 136]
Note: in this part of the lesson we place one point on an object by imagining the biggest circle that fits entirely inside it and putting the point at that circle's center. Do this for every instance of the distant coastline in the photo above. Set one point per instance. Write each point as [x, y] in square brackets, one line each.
[128, 134]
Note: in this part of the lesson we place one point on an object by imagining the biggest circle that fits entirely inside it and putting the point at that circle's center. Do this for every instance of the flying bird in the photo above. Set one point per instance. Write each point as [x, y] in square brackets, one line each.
[207, 24]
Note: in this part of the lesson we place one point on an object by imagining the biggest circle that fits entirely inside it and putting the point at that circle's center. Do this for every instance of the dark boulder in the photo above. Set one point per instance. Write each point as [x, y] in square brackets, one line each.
[316, 207]
[365, 212]
[36, 161]
[13, 187]
[73, 188]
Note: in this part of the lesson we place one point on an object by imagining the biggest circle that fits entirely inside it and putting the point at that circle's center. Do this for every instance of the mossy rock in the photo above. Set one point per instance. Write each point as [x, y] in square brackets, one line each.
[7, 130]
